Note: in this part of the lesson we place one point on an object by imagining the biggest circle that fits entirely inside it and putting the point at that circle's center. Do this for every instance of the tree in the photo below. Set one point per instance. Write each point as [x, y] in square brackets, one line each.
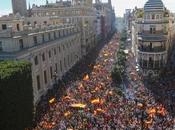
[16, 95]
[123, 36]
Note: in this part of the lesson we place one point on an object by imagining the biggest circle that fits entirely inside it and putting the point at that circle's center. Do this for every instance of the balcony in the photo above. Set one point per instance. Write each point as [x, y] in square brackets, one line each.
[163, 21]
[144, 33]
[155, 49]
[151, 64]
[152, 38]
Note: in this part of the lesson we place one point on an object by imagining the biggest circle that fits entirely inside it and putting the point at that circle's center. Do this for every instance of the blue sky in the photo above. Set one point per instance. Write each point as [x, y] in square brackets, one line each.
[120, 5]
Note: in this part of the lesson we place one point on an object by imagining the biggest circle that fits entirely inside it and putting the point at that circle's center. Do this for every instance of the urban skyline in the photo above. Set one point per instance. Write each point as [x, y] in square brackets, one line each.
[120, 5]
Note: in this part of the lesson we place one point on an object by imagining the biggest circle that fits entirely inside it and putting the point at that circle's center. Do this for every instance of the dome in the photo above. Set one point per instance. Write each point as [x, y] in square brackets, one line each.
[154, 5]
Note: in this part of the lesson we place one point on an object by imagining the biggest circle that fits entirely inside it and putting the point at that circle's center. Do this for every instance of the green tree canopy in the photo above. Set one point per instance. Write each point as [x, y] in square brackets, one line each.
[16, 95]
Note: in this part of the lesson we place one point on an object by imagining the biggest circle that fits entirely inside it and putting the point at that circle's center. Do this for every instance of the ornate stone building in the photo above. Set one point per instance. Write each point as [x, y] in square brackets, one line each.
[151, 36]
[51, 50]
[53, 38]
[80, 13]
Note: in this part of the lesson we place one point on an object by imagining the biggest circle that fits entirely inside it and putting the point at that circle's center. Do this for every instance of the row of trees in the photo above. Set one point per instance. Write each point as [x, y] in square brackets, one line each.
[118, 70]
[16, 95]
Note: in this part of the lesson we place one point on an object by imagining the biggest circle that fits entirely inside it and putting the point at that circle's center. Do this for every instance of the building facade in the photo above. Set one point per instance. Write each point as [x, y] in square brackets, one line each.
[51, 50]
[105, 18]
[151, 38]
[80, 13]
[128, 19]
[54, 38]
[19, 6]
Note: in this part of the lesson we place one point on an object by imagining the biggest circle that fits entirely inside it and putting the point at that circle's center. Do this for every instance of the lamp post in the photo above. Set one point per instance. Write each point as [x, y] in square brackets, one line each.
[55, 76]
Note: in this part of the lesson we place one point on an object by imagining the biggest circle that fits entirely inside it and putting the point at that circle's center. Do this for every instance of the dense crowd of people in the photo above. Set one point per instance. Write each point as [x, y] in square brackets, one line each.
[93, 92]
[150, 99]
[92, 102]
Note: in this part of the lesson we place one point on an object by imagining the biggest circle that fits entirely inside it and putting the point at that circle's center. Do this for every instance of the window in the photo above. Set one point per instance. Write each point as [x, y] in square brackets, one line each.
[86, 40]
[38, 82]
[43, 57]
[35, 22]
[63, 47]
[59, 49]
[54, 35]
[152, 29]
[45, 22]
[1, 46]
[17, 27]
[49, 36]
[64, 62]
[153, 16]
[59, 33]
[63, 33]
[160, 16]
[157, 16]
[28, 23]
[36, 60]
[150, 59]
[150, 46]
[43, 39]
[55, 51]
[71, 58]
[50, 54]
[148, 16]
[51, 73]
[68, 60]
[21, 44]
[45, 77]
[56, 68]
[35, 40]
[61, 67]
[4, 26]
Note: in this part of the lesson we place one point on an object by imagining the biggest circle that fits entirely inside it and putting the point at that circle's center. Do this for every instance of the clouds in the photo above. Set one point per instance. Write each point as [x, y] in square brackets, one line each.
[5, 12]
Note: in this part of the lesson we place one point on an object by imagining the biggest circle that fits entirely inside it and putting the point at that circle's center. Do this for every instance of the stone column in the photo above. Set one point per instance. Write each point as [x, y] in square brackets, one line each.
[159, 57]
[154, 60]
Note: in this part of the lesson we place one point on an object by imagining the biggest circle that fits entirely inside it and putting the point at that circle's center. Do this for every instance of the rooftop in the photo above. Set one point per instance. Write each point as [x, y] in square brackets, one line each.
[154, 5]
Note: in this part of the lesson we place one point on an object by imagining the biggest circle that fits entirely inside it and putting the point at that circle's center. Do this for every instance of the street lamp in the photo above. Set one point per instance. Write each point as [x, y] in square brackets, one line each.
[55, 76]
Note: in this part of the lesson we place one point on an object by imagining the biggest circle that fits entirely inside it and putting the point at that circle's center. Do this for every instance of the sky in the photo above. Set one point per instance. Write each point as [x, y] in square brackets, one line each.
[120, 5]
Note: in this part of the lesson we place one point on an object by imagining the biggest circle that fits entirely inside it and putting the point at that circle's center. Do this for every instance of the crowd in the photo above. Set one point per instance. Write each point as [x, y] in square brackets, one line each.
[150, 99]
[164, 92]
[91, 102]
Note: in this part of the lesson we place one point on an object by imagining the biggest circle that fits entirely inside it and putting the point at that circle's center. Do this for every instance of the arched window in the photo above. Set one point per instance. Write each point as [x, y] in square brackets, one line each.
[148, 16]
[160, 16]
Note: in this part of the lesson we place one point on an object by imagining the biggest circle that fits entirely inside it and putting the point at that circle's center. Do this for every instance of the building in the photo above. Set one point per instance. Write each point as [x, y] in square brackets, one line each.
[151, 38]
[80, 13]
[51, 50]
[19, 6]
[128, 19]
[105, 18]
[54, 38]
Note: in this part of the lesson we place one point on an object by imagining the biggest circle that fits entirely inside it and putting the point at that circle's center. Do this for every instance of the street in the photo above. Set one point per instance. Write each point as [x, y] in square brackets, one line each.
[93, 102]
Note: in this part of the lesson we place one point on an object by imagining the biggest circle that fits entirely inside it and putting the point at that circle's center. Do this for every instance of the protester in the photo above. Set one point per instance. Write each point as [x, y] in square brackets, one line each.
[92, 102]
